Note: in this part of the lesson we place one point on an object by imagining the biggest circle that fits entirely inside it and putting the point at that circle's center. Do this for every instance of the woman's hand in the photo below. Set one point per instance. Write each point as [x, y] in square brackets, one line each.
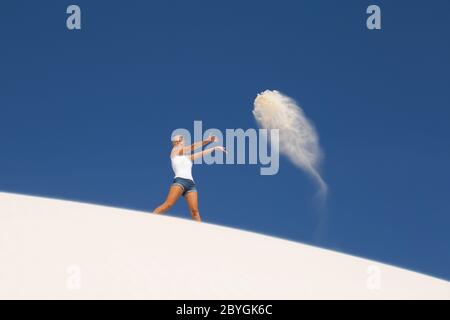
[211, 139]
[220, 148]
[207, 151]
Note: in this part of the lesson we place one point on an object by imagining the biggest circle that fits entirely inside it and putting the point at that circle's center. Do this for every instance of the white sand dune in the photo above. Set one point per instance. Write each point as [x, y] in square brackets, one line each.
[52, 249]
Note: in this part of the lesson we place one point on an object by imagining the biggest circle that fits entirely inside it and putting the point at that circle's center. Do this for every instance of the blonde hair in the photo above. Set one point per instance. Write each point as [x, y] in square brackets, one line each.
[176, 139]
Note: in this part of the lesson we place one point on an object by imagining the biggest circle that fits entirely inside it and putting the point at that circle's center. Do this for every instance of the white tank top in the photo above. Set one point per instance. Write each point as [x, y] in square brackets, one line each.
[182, 166]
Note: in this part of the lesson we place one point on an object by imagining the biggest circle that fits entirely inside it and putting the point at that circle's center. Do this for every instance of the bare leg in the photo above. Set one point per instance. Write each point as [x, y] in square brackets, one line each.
[192, 201]
[174, 193]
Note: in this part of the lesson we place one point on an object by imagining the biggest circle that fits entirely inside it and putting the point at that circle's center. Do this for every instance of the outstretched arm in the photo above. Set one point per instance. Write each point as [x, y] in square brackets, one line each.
[207, 151]
[199, 144]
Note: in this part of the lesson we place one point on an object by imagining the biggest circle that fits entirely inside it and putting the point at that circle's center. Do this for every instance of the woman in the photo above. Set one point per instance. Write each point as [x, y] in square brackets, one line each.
[183, 184]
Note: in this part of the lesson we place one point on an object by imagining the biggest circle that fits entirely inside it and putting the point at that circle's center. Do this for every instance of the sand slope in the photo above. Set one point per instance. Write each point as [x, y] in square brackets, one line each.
[67, 250]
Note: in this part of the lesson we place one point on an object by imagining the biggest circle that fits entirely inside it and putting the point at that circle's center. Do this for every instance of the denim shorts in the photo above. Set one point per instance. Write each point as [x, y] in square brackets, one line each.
[187, 185]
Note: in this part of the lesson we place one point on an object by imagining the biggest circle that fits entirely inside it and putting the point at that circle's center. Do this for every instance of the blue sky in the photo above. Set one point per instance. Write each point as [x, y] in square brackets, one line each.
[87, 115]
